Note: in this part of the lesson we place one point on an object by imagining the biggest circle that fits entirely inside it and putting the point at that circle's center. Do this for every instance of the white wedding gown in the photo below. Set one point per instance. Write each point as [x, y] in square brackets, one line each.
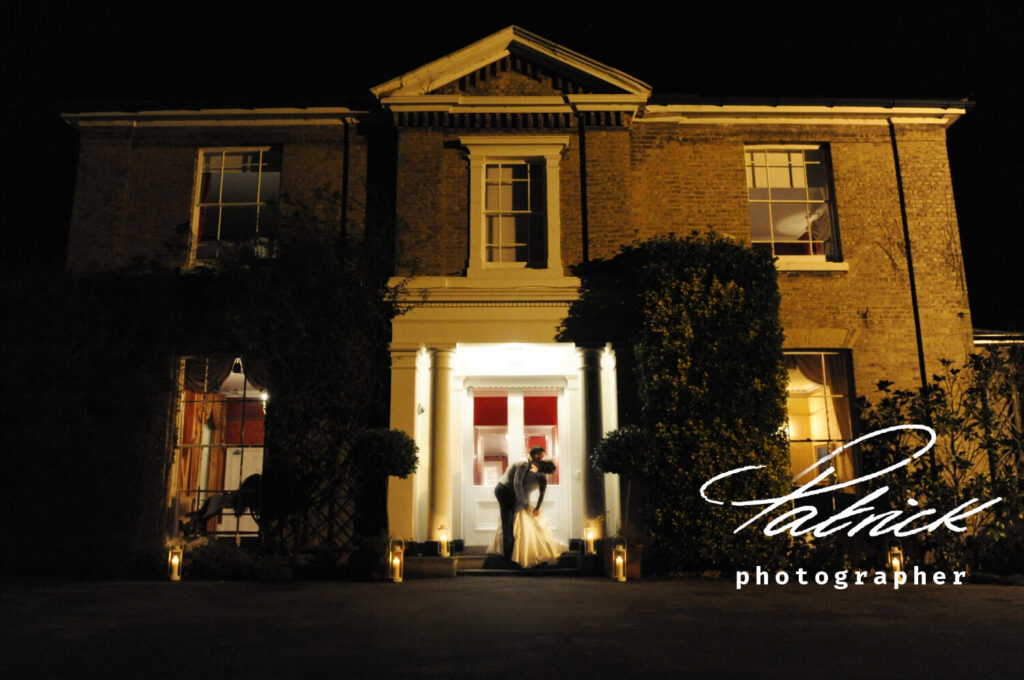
[535, 544]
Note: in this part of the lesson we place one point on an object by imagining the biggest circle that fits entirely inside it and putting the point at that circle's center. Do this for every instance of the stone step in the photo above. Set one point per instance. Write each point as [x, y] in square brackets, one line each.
[430, 567]
[482, 565]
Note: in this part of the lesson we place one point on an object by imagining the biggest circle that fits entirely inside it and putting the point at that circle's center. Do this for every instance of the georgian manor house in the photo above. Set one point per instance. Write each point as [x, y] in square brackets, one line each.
[509, 161]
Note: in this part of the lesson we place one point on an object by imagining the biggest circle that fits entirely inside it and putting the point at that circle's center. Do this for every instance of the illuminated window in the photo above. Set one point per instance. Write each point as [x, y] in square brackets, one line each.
[236, 201]
[792, 212]
[514, 213]
[818, 406]
[220, 414]
[506, 425]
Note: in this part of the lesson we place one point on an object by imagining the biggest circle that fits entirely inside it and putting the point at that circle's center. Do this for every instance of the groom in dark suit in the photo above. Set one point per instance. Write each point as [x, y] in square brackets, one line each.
[511, 496]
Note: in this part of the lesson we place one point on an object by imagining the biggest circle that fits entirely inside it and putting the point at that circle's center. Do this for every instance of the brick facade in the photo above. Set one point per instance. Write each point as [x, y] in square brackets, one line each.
[623, 176]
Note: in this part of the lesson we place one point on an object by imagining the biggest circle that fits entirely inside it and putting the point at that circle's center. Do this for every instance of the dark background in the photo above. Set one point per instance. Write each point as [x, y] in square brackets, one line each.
[111, 57]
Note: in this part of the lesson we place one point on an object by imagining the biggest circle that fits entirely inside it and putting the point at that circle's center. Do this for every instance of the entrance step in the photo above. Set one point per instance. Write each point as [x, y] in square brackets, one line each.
[430, 567]
[568, 564]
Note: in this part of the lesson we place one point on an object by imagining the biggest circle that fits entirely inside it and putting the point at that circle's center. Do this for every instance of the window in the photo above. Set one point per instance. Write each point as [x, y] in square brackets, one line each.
[791, 205]
[236, 201]
[514, 221]
[220, 414]
[818, 406]
[514, 213]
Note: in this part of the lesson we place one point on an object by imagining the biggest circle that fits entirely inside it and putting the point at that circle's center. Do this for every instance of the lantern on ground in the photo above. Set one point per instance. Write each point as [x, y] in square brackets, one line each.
[443, 544]
[396, 561]
[619, 560]
[895, 561]
[174, 557]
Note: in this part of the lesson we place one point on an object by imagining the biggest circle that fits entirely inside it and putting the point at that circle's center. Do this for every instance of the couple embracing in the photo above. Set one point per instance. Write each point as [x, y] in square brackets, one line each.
[523, 537]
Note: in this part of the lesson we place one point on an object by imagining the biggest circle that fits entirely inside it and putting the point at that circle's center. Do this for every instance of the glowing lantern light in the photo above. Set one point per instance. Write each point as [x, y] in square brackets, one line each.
[896, 560]
[174, 558]
[619, 561]
[443, 544]
[396, 561]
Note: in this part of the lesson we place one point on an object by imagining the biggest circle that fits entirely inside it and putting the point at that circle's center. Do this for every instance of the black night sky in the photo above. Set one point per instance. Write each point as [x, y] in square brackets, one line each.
[122, 58]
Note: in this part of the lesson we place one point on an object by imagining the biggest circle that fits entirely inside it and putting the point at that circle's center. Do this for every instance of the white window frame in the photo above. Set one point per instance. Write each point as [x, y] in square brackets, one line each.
[484, 149]
[808, 261]
[261, 250]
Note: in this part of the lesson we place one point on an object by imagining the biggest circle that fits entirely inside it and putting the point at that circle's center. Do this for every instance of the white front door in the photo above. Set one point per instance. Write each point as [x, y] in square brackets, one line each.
[501, 426]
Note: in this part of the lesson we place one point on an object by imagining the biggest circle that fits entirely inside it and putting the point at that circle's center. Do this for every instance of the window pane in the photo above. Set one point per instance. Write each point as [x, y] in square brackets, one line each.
[212, 161]
[240, 187]
[779, 177]
[208, 219]
[760, 222]
[238, 222]
[793, 248]
[799, 194]
[492, 199]
[519, 171]
[493, 230]
[789, 221]
[817, 187]
[522, 229]
[520, 196]
[209, 187]
[508, 230]
[761, 178]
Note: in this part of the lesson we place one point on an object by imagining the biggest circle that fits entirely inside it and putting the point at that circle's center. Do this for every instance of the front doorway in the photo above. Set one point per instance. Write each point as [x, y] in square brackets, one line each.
[502, 424]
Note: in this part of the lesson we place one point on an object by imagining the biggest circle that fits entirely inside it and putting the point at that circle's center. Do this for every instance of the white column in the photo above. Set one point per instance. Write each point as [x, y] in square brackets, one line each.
[403, 417]
[609, 422]
[440, 499]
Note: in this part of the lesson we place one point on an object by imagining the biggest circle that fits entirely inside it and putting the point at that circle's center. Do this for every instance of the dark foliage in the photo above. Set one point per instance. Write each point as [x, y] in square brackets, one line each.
[89, 382]
[697, 319]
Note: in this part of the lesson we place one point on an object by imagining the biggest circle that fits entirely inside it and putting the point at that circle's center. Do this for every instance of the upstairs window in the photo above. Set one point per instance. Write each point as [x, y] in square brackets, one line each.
[792, 212]
[515, 213]
[236, 201]
[514, 222]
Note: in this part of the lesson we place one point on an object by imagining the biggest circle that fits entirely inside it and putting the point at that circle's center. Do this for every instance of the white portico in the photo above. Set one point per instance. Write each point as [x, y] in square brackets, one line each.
[477, 378]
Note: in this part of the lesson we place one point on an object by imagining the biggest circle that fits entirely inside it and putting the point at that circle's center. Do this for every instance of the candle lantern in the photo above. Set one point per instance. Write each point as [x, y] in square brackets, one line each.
[443, 544]
[896, 561]
[619, 560]
[396, 560]
[174, 558]
[589, 535]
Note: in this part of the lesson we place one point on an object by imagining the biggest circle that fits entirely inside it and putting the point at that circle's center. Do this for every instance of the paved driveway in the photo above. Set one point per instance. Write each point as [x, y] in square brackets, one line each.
[509, 627]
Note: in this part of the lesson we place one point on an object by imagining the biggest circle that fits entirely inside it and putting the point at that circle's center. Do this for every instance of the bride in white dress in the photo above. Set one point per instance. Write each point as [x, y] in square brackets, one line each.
[535, 543]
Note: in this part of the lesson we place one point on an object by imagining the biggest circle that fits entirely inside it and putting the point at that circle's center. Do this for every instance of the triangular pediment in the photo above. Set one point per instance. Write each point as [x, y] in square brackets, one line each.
[513, 62]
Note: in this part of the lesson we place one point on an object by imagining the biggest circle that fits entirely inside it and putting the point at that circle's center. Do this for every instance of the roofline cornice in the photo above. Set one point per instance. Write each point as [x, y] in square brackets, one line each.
[214, 117]
[799, 114]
